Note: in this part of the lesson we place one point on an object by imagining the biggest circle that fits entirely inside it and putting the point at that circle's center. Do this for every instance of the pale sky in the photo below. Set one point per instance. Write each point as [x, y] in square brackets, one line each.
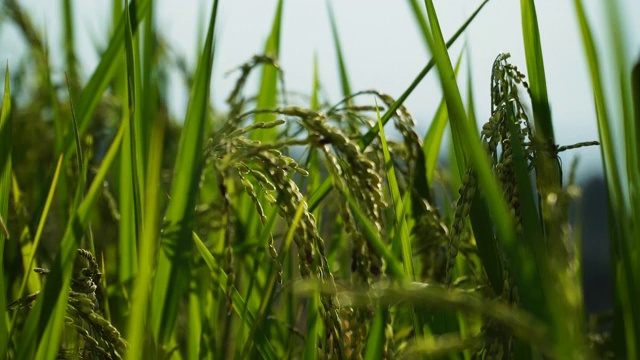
[382, 47]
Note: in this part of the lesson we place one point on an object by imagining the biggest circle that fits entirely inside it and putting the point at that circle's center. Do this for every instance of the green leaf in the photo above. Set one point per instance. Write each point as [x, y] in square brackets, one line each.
[635, 88]
[268, 95]
[376, 340]
[536, 300]
[173, 268]
[315, 90]
[342, 68]
[433, 139]
[537, 78]
[130, 196]
[29, 266]
[621, 230]
[92, 92]
[147, 250]
[195, 312]
[5, 188]
[631, 130]
[264, 347]
[548, 172]
[400, 222]
[314, 327]
[69, 43]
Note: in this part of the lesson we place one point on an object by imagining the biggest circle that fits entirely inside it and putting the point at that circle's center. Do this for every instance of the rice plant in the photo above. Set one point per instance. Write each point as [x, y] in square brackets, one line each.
[300, 227]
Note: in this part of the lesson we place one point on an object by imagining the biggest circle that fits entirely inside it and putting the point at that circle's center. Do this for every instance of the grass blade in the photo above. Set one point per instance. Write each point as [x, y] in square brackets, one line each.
[631, 129]
[5, 188]
[471, 109]
[539, 300]
[315, 89]
[268, 95]
[433, 139]
[92, 92]
[622, 248]
[537, 78]
[604, 130]
[147, 250]
[69, 44]
[173, 272]
[147, 100]
[264, 347]
[401, 224]
[314, 327]
[623, 93]
[376, 340]
[130, 196]
[548, 172]
[342, 68]
[635, 91]
[36, 241]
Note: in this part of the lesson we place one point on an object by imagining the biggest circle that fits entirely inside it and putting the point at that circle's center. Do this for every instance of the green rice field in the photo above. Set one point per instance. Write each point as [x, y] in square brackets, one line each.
[306, 227]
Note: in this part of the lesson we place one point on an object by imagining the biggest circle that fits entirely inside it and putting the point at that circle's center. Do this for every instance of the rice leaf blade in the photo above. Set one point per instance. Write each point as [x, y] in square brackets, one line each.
[620, 230]
[5, 187]
[536, 300]
[401, 225]
[314, 327]
[173, 272]
[268, 94]
[433, 138]
[631, 129]
[131, 206]
[147, 249]
[342, 67]
[69, 43]
[105, 71]
[537, 77]
[264, 346]
[548, 170]
[375, 342]
[29, 266]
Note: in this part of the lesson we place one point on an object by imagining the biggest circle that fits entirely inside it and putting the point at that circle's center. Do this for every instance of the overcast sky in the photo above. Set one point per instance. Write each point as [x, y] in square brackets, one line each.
[381, 43]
